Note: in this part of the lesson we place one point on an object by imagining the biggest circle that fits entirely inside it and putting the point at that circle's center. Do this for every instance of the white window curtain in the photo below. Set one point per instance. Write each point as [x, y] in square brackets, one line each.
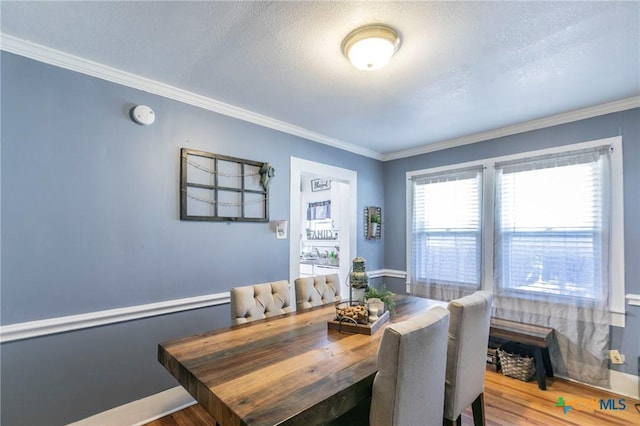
[446, 234]
[319, 210]
[551, 244]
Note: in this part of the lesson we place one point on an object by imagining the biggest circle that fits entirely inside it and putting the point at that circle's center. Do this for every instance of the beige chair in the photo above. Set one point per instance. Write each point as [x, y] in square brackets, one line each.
[467, 357]
[316, 291]
[259, 301]
[409, 386]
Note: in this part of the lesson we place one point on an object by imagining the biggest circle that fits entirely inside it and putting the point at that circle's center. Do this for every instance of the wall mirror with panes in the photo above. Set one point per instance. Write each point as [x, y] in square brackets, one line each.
[221, 188]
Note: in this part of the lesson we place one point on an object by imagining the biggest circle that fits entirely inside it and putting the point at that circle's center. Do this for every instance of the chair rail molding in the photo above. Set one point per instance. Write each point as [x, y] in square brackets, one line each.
[389, 273]
[633, 299]
[30, 329]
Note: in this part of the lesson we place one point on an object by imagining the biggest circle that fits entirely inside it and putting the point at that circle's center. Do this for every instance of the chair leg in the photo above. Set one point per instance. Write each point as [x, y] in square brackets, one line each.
[449, 422]
[477, 407]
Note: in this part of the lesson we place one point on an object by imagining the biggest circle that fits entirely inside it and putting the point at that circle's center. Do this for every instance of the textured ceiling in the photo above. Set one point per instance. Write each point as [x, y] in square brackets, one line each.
[462, 68]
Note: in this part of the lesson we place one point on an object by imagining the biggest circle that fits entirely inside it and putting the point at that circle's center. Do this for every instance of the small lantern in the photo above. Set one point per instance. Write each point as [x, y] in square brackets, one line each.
[358, 280]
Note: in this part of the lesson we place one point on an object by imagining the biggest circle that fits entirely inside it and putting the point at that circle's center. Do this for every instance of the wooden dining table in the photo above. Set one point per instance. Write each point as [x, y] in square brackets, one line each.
[290, 369]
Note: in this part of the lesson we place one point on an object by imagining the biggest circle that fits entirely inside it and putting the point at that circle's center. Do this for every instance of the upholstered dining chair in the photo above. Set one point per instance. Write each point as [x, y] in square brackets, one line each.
[467, 357]
[254, 302]
[408, 388]
[317, 290]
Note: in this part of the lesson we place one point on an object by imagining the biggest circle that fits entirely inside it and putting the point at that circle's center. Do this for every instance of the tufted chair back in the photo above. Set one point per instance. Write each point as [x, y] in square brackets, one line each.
[254, 302]
[408, 388]
[466, 356]
[316, 291]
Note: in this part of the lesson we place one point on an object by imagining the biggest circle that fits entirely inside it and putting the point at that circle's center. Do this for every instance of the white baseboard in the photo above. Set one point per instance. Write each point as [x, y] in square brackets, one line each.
[164, 403]
[142, 411]
[625, 384]
[621, 383]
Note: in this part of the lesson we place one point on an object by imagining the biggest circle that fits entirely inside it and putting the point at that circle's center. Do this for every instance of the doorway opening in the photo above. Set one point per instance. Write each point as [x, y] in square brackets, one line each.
[323, 220]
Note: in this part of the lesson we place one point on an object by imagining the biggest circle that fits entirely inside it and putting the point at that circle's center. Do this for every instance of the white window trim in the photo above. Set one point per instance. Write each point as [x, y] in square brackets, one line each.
[617, 289]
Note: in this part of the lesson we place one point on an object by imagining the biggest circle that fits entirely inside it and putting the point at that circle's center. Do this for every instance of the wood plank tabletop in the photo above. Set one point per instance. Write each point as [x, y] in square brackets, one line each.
[289, 369]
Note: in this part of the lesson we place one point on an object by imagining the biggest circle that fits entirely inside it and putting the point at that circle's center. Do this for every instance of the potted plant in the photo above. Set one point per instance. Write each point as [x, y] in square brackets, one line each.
[384, 294]
[374, 223]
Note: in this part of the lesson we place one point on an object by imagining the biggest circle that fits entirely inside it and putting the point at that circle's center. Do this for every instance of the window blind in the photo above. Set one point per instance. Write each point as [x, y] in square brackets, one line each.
[446, 228]
[552, 225]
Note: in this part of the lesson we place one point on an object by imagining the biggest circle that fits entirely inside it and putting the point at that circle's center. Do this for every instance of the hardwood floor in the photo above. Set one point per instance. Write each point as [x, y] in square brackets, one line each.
[507, 402]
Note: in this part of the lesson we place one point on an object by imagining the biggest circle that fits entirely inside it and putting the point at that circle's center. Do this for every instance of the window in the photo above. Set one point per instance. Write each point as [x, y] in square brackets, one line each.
[551, 230]
[543, 224]
[445, 228]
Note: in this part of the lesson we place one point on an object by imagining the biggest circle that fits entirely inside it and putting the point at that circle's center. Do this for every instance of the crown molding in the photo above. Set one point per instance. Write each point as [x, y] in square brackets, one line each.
[70, 62]
[554, 120]
[64, 60]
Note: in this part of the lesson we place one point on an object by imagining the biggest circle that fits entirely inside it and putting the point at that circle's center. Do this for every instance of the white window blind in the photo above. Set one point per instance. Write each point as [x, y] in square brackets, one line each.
[446, 228]
[552, 226]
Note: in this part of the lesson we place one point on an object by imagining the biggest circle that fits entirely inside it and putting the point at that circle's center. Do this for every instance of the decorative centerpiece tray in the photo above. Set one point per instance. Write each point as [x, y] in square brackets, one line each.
[351, 326]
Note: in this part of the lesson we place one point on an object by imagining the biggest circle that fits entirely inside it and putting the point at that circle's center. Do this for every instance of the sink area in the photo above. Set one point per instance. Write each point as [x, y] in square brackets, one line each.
[319, 258]
[323, 261]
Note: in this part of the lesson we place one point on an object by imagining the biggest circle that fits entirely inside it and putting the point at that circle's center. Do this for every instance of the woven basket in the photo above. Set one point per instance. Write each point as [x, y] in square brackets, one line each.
[518, 366]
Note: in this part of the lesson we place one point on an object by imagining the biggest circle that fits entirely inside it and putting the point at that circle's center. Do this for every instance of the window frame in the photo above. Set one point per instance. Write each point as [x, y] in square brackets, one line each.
[616, 254]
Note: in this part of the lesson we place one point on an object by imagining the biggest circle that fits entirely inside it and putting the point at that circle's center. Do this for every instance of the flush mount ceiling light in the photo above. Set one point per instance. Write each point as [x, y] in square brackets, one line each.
[371, 47]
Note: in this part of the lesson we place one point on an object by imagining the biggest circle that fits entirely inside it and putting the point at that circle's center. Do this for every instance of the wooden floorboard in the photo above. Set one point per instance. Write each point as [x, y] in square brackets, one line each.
[508, 402]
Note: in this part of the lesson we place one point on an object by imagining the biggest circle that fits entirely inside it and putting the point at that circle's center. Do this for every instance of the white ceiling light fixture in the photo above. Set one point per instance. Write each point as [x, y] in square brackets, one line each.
[371, 47]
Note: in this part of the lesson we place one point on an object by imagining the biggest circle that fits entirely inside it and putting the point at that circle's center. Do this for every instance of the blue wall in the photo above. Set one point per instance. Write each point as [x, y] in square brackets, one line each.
[90, 221]
[625, 124]
[89, 208]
